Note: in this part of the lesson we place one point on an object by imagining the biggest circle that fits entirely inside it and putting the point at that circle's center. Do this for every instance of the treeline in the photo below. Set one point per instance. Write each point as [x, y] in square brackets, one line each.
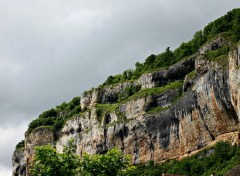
[228, 23]
[47, 162]
[56, 117]
[218, 159]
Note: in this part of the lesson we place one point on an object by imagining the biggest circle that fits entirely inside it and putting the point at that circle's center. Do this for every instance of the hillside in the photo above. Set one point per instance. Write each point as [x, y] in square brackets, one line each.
[170, 106]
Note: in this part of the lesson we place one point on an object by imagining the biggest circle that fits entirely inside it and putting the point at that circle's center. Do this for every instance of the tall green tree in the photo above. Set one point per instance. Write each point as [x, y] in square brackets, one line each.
[47, 162]
[111, 163]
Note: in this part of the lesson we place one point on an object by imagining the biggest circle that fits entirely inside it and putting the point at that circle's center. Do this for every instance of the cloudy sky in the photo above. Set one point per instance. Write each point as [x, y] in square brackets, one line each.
[53, 50]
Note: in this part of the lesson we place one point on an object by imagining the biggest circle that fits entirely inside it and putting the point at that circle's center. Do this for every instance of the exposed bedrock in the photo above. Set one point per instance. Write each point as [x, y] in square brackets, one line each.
[158, 126]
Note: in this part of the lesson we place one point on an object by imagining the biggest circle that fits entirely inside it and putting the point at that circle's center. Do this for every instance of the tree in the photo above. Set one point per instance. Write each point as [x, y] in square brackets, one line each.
[111, 163]
[168, 55]
[48, 113]
[148, 64]
[109, 80]
[127, 74]
[47, 162]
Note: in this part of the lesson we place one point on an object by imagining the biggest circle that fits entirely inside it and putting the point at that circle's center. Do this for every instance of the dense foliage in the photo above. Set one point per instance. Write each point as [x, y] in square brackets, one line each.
[227, 23]
[57, 116]
[47, 162]
[103, 109]
[111, 163]
[218, 159]
[220, 56]
[20, 145]
[129, 91]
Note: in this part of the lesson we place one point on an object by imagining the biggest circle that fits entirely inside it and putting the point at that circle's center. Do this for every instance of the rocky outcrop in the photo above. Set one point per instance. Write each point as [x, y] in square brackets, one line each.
[19, 162]
[234, 171]
[23, 157]
[38, 137]
[109, 94]
[234, 79]
[161, 125]
[206, 110]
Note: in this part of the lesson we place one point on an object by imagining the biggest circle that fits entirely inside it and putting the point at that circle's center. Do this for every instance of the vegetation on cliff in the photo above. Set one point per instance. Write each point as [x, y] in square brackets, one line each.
[228, 23]
[56, 117]
[20, 145]
[220, 55]
[48, 162]
[156, 90]
[218, 159]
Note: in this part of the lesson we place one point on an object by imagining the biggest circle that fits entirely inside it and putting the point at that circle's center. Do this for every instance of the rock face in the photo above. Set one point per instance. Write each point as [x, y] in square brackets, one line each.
[39, 137]
[158, 126]
[19, 163]
[150, 80]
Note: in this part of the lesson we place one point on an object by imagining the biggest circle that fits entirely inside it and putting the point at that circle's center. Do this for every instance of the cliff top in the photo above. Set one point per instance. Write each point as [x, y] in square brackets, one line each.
[140, 81]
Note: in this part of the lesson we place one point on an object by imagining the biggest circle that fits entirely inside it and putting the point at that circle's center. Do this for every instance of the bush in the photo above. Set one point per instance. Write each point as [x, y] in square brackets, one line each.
[48, 162]
[129, 91]
[57, 117]
[111, 163]
[103, 109]
[20, 145]
[49, 113]
[156, 90]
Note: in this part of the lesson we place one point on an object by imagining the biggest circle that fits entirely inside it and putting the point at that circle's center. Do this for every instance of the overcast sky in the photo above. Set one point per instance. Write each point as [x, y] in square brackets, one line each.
[53, 50]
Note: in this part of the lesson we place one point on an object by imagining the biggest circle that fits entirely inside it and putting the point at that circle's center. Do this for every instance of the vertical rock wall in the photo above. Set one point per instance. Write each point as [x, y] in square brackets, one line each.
[208, 111]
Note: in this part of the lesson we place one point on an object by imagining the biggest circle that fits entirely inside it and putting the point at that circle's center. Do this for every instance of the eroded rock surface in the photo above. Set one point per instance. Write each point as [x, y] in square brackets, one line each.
[19, 163]
[207, 111]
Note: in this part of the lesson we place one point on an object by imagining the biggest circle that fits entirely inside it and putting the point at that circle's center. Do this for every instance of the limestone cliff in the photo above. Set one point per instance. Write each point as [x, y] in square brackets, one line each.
[178, 111]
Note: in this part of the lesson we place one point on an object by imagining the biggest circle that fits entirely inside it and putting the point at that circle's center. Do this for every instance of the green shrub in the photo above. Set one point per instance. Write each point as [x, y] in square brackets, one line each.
[157, 109]
[103, 109]
[56, 117]
[154, 91]
[220, 56]
[48, 113]
[129, 91]
[20, 145]
[192, 74]
[48, 162]
[216, 53]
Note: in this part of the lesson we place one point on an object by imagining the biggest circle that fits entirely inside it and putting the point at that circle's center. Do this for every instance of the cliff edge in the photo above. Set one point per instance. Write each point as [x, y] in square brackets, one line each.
[169, 113]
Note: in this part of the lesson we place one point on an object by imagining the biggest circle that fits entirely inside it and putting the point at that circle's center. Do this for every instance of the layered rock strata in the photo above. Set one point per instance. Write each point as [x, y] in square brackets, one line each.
[165, 125]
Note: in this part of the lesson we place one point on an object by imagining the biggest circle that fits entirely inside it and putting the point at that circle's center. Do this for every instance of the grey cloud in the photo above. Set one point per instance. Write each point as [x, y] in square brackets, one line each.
[10, 134]
[5, 170]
